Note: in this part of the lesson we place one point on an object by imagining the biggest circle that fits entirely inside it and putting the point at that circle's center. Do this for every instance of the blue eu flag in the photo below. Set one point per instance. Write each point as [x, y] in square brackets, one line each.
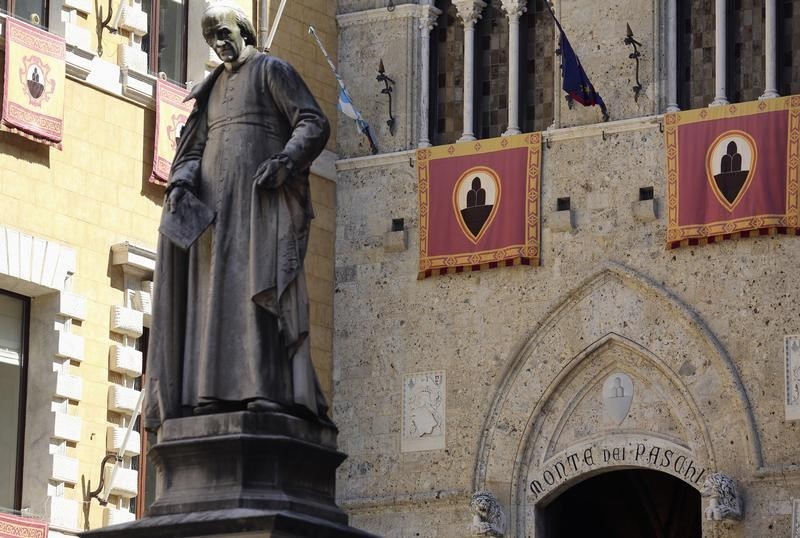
[576, 84]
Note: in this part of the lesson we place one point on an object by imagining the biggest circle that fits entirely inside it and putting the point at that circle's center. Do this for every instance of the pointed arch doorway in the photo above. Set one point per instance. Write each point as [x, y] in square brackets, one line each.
[626, 503]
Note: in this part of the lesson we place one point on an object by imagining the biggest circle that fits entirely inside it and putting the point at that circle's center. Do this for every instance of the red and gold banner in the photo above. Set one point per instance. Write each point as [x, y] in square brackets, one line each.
[33, 96]
[171, 116]
[733, 171]
[479, 204]
[19, 527]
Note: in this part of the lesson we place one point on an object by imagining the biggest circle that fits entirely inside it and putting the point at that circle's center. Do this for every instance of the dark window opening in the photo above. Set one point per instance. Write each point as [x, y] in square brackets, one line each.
[563, 204]
[30, 11]
[398, 225]
[645, 193]
[14, 327]
[166, 48]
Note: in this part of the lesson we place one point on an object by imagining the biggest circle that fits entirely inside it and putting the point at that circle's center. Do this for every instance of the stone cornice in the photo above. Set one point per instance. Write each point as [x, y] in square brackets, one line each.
[369, 16]
[375, 161]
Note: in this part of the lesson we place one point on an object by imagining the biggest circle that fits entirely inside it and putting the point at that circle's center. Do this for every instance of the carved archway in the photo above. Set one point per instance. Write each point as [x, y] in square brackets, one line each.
[616, 320]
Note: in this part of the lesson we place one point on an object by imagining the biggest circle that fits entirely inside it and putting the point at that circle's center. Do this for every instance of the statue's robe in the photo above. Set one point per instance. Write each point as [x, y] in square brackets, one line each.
[230, 315]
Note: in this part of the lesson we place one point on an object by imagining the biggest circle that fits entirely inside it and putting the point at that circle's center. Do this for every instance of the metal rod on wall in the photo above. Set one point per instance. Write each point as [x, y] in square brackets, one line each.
[264, 8]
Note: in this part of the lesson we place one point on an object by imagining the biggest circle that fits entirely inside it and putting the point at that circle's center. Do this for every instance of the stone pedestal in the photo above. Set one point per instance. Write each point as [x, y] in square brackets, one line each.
[242, 474]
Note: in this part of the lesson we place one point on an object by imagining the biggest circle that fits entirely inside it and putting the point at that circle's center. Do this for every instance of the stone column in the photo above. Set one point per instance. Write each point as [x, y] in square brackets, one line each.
[469, 11]
[672, 56]
[426, 24]
[721, 45]
[514, 10]
[771, 51]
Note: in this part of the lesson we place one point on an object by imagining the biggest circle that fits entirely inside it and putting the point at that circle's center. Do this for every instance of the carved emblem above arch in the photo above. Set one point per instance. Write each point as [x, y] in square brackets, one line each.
[551, 423]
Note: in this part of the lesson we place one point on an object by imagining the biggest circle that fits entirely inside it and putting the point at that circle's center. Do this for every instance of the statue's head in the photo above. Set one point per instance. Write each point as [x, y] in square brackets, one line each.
[227, 30]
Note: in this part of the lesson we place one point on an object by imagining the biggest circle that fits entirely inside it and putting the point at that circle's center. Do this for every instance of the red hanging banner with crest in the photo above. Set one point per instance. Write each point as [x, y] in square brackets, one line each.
[479, 204]
[33, 96]
[733, 171]
[171, 115]
[19, 527]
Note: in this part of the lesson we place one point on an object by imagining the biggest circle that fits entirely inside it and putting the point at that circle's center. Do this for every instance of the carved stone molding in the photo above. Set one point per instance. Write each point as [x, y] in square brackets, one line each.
[792, 372]
[469, 11]
[428, 16]
[514, 8]
[371, 16]
[423, 411]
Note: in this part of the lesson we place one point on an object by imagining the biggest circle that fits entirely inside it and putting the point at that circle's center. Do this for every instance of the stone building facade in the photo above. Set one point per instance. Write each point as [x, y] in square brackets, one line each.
[610, 382]
[78, 231]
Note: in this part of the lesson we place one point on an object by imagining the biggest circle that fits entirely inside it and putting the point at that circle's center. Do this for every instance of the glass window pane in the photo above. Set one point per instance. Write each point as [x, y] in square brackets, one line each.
[33, 11]
[171, 38]
[11, 312]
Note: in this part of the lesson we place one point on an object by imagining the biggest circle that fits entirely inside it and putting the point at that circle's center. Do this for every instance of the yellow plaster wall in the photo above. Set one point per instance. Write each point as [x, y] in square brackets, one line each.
[89, 196]
[95, 194]
[294, 44]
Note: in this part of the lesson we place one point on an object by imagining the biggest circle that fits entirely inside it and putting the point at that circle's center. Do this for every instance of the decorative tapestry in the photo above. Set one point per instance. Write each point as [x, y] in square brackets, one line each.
[33, 89]
[171, 115]
[733, 171]
[479, 204]
[18, 527]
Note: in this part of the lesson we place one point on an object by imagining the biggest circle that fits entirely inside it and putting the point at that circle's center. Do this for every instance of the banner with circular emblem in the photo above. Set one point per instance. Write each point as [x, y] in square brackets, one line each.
[33, 97]
[171, 115]
[479, 204]
[733, 171]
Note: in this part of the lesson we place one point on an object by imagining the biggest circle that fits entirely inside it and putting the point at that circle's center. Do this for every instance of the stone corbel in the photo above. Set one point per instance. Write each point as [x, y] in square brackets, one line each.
[724, 502]
[488, 518]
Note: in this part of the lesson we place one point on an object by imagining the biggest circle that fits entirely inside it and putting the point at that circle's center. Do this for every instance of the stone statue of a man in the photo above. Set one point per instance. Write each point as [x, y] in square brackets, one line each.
[230, 316]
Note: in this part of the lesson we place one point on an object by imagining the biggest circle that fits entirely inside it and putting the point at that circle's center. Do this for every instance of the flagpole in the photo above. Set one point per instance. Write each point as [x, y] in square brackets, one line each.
[363, 126]
[274, 29]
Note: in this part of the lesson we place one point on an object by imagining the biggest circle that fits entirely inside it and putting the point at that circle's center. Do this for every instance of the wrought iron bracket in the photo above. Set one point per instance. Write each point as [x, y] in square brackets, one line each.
[102, 24]
[96, 493]
[635, 55]
[387, 90]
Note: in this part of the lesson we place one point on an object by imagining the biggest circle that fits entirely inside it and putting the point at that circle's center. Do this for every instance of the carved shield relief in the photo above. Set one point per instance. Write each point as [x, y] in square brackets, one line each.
[617, 396]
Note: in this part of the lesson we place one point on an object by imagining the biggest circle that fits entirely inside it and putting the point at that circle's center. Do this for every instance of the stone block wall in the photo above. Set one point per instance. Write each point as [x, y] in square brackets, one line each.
[473, 325]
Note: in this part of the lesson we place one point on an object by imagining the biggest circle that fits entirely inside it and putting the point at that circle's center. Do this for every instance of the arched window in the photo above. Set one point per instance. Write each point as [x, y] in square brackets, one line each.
[747, 55]
[696, 34]
[447, 72]
[788, 47]
[746, 62]
[537, 56]
[492, 65]
[491, 71]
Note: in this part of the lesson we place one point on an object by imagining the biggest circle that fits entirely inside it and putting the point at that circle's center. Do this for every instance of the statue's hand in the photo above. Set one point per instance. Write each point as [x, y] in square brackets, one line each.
[273, 172]
[174, 198]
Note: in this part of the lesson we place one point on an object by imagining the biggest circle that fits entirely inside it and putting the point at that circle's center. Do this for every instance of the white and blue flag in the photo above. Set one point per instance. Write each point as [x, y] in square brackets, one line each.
[346, 105]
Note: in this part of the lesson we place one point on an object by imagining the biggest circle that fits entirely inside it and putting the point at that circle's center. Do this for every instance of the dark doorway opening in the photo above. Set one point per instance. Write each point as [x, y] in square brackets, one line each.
[629, 503]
